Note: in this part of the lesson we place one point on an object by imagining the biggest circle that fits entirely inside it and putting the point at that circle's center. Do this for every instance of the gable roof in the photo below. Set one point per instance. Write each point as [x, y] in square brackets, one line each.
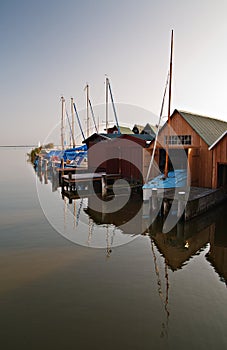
[151, 127]
[125, 130]
[209, 129]
[103, 136]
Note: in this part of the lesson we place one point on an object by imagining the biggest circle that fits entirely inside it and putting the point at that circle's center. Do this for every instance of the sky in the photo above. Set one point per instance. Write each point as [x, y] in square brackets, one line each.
[52, 48]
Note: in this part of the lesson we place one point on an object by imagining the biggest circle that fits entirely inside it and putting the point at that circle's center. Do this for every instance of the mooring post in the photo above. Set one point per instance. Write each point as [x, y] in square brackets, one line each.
[45, 165]
[40, 162]
[70, 181]
[154, 196]
[62, 163]
[165, 207]
[181, 203]
[103, 182]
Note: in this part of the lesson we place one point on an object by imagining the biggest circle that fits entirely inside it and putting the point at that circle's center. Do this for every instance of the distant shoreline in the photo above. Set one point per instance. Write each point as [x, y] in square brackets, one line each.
[13, 146]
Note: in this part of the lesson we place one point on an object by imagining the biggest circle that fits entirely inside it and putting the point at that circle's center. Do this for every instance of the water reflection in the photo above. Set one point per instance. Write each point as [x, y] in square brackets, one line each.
[178, 247]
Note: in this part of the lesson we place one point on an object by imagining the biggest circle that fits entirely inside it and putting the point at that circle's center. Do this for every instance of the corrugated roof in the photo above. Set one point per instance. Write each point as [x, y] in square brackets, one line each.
[209, 129]
[218, 140]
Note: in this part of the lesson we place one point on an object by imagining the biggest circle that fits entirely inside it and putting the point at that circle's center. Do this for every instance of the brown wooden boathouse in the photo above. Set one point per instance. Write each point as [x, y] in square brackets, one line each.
[204, 141]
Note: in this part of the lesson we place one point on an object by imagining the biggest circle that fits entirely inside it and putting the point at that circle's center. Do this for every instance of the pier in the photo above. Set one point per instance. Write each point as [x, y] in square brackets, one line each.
[72, 183]
[185, 205]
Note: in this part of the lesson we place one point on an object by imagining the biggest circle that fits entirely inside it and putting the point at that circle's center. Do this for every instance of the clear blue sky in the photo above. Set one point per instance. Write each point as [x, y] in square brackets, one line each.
[53, 47]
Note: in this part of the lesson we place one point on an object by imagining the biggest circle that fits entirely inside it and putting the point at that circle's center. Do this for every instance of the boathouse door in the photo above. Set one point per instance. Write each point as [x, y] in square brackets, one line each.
[177, 159]
[222, 176]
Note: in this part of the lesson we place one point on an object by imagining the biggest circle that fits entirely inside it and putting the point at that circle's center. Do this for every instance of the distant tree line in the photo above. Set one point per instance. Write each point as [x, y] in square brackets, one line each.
[35, 151]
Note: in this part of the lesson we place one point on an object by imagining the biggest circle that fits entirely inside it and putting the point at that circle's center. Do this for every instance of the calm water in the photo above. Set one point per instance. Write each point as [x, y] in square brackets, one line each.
[158, 291]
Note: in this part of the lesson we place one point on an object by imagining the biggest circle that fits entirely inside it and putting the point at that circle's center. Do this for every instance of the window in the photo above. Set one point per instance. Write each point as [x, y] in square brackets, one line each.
[178, 140]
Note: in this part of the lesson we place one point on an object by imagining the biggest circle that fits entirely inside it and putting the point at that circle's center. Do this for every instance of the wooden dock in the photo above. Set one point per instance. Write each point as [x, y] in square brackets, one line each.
[189, 204]
[76, 185]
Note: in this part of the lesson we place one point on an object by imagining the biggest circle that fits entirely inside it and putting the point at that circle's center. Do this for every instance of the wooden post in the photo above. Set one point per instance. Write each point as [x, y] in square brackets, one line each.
[154, 196]
[70, 181]
[103, 183]
[45, 165]
[181, 200]
[165, 208]
[40, 162]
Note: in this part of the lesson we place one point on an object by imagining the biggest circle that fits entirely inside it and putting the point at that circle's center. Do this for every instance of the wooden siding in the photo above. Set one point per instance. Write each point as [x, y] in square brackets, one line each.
[119, 156]
[219, 155]
[199, 157]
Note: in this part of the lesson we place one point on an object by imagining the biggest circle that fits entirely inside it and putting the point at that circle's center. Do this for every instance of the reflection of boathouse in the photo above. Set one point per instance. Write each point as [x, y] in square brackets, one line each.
[187, 239]
[204, 142]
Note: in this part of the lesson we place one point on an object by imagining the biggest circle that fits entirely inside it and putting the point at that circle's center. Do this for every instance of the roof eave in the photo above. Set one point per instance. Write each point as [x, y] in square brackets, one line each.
[219, 139]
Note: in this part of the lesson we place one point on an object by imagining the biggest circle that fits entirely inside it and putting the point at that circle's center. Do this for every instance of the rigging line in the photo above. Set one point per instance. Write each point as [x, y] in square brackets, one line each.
[159, 124]
[78, 120]
[114, 109]
[93, 116]
[70, 127]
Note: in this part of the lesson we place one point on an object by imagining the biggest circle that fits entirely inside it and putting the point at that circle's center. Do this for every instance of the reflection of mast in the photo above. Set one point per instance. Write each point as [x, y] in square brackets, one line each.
[74, 214]
[159, 283]
[168, 122]
[78, 213]
[108, 245]
[91, 228]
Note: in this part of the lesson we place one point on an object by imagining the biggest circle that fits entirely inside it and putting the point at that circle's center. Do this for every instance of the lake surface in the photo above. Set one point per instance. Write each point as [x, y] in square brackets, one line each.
[76, 278]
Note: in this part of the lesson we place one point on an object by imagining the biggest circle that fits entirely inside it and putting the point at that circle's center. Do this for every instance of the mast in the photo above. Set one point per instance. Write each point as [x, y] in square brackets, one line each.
[107, 85]
[62, 121]
[87, 108]
[168, 122]
[73, 123]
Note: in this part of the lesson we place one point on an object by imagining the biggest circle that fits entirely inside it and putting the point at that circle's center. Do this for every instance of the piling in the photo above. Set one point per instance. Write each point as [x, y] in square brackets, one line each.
[103, 184]
[181, 204]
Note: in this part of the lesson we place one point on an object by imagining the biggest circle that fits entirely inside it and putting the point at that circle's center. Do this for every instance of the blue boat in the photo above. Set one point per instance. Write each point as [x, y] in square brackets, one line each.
[175, 179]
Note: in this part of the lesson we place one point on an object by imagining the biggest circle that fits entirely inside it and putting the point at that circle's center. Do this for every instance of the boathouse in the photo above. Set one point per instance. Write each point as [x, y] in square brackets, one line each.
[196, 143]
[124, 154]
[122, 129]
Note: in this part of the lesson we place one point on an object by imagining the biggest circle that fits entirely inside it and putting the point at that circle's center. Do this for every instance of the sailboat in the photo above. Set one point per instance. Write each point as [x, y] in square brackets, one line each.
[168, 179]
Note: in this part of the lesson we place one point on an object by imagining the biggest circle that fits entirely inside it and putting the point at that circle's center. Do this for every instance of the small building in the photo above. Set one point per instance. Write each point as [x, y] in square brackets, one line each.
[149, 129]
[123, 130]
[124, 154]
[137, 129]
[196, 143]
